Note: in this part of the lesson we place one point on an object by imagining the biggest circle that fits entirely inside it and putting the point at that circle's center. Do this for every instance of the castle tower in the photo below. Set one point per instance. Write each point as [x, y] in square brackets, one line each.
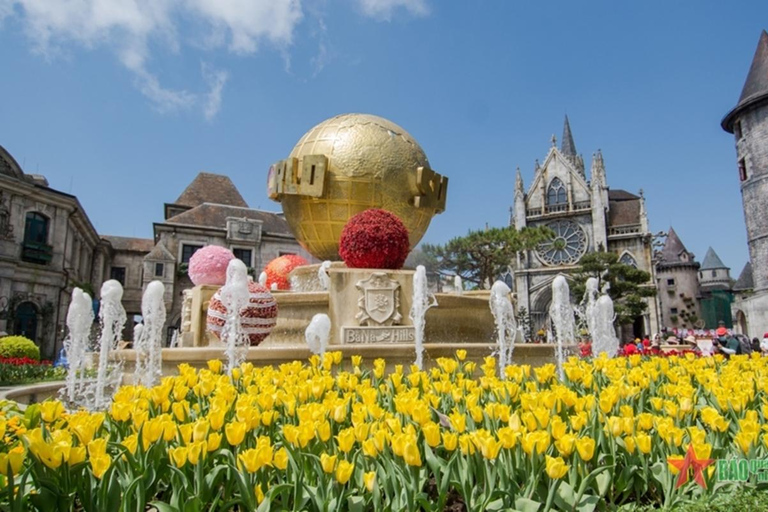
[748, 122]
[713, 274]
[678, 284]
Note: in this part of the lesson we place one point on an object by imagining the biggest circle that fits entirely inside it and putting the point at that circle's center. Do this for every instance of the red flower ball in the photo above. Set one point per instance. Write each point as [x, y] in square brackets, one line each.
[374, 239]
[278, 269]
[257, 320]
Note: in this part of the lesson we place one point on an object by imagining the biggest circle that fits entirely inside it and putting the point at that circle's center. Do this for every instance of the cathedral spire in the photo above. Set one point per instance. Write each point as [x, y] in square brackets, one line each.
[567, 146]
[598, 169]
[518, 210]
[519, 182]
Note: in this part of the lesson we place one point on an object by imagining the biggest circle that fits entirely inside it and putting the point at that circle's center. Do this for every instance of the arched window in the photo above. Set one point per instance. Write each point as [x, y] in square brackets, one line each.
[35, 248]
[556, 193]
[36, 228]
[628, 259]
[25, 320]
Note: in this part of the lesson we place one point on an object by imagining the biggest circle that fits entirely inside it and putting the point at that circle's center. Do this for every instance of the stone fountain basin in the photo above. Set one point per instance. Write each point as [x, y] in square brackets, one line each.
[32, 393]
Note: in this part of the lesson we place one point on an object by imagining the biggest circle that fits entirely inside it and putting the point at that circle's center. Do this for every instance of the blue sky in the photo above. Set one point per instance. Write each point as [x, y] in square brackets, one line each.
[122, 102]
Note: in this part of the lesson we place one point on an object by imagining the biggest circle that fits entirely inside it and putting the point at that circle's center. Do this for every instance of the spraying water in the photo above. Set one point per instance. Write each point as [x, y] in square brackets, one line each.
[562, 318]
[589, 304]
[149, 363]
[506, 327]
[318, 333]
[263, 279]
[112, 318]
[458, 285]
[604, 338]
[174, 339]
[79, 321]
[235, 297]
[422, 301]
[322, 275]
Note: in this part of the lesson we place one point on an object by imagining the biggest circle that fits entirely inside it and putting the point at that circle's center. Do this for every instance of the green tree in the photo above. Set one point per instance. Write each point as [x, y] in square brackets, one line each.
[629, 287]
[481, 256]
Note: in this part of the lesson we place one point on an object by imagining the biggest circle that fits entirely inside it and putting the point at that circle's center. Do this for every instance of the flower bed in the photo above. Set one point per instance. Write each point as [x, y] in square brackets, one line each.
[25, 370]
[336, 435]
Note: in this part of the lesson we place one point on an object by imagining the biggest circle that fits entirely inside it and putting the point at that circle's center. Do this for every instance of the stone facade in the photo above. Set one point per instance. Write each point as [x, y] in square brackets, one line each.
[587, 216]
[47, 244]
[210, 211]
[677, 284]
[748, 122]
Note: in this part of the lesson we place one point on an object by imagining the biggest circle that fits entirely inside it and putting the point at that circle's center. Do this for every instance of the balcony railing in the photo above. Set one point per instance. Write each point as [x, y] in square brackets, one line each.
[35, 252]
[558, 208]
[631, 229]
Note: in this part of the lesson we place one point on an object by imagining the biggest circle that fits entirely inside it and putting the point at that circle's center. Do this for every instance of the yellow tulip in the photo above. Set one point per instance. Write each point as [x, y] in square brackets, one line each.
[411, 453]
[629, 443]
[214, 441]
[346, 439]
[673, 468]
[566, 444]
[369, 448]
[431, 433]
[643, 443]
[328, 462]
[357, 360]
[490, 448]
[250, 460]
[216, 418]
[344, 471]
[235, 432]
[744, 441]
[369, 479]
[76, 455]
[559, 428]
[215, 365]
[185, 432]
[280, 459]
[195, 451]
[12, 461]
[97, 447]
[556, 467]
[200, 430]
[51, 410]
[178, 456]
[586, 448]
[323, 430]
[100, 464]
[259, 493]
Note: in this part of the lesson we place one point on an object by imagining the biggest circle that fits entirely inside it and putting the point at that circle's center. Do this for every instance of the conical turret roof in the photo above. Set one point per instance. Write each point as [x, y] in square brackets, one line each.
[567, 146]
[712, 261]
[756, 87]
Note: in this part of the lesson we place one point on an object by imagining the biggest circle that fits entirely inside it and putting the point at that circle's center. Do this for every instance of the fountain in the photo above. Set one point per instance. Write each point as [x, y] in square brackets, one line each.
[562, 318]
[79, 321]
[458, 286]
[322, 275]
[604, 339]
[506, 327]
[422, 301]
[235, 297]
[317, 334]
[148, 343]
[263, 279]
[111, 319]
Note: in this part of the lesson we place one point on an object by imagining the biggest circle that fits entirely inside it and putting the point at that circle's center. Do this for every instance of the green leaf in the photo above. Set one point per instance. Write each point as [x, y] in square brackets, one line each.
[356, 503]
[526, 505]
[565, 496]
[163, 507]
[588, 503]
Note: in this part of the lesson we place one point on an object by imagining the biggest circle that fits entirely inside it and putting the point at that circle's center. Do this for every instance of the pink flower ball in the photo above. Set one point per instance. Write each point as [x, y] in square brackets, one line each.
[209, 265]
[256, 321]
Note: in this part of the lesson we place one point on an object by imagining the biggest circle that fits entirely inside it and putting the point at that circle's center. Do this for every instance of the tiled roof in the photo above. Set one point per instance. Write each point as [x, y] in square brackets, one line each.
[745, 280]
[712, 261]
[159, 253]
[756, 86]
[621, 195]
[624, 213]
[215, 216]
[211, 188]
[122, 243]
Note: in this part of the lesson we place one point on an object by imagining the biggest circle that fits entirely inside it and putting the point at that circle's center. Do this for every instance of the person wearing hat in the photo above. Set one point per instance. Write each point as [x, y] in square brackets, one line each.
[764, 344]
[728, 345]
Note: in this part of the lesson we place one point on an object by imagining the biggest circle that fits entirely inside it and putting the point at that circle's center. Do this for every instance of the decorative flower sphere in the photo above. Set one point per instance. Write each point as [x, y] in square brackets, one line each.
[256, 321]
[278, 269]
[209, 265]
[374, 239]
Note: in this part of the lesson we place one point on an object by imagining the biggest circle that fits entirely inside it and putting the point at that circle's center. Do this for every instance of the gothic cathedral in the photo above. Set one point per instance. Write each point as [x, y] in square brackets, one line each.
[586, 215]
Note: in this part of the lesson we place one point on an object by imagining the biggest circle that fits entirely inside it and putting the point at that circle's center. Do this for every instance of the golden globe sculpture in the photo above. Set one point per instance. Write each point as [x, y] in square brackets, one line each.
[348, 164]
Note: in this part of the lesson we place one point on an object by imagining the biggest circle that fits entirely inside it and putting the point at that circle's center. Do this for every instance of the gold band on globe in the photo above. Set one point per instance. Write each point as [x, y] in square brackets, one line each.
[348, 164]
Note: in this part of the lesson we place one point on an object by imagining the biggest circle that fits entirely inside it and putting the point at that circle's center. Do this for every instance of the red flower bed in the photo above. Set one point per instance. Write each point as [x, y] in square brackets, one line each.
[19, 361]
[374, 239]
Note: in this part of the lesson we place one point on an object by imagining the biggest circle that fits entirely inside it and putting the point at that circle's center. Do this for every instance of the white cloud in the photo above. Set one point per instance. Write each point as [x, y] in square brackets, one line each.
[384, 9]
[132, 27]
[216, 81]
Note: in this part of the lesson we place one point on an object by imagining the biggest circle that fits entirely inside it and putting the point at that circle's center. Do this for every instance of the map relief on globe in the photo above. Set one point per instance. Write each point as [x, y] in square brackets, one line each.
[348, 164]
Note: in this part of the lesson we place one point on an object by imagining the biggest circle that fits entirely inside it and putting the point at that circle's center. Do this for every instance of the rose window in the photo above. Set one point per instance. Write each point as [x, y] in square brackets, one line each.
[567, 246]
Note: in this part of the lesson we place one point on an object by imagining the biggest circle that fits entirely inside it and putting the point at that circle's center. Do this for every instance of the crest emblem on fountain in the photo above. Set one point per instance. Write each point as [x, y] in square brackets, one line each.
[379, 300]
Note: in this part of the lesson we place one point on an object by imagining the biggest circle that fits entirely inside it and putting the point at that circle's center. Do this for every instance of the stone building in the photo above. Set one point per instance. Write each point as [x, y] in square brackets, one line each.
[677, 285]
[586, 215]
[748, 122]
[210, 211]
[47, 244]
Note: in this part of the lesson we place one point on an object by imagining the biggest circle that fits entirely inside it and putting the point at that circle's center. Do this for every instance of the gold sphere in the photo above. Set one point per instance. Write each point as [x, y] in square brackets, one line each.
[348, 164]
